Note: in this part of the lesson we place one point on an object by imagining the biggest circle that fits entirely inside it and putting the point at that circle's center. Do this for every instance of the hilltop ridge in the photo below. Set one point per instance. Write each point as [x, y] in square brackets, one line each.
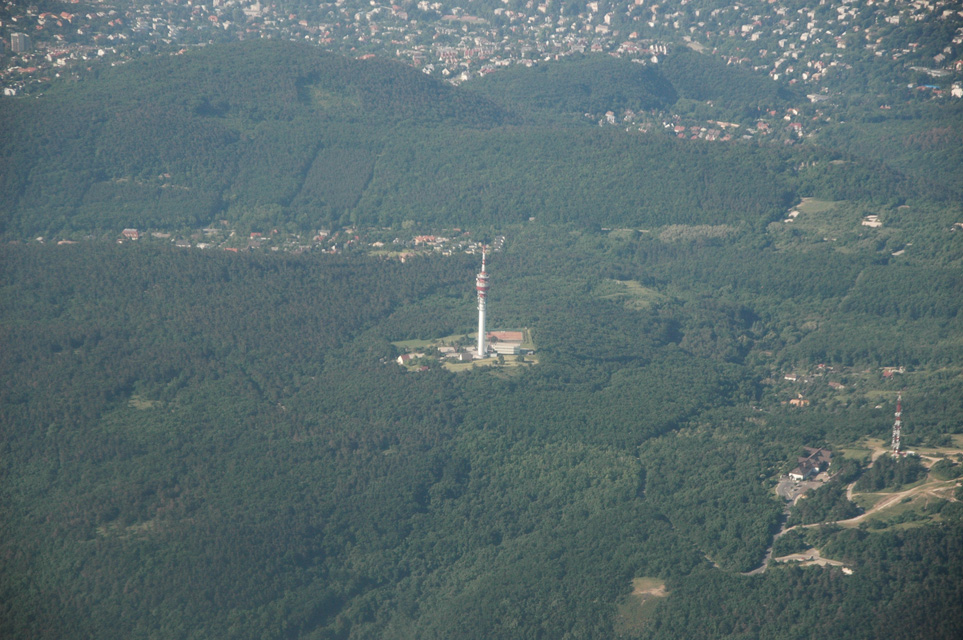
[273, 134]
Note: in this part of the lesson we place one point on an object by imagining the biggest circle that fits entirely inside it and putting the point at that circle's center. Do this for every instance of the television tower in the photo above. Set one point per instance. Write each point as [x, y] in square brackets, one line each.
[481, 285]
[898, 425]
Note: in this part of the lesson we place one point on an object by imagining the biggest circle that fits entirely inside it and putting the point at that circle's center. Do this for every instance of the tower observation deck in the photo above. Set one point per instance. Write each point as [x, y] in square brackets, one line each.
[481, 286]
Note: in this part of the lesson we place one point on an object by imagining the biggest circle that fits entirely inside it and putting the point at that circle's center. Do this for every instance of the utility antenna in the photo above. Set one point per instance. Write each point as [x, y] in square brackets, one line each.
[898, 425]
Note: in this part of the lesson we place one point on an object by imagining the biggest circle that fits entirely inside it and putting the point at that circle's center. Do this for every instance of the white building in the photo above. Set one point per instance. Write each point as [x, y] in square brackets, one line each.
[507, 348]
[20, 43]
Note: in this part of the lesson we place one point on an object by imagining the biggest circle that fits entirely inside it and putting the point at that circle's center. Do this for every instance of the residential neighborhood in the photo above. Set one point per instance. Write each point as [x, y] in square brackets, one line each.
[387, 243]
[813, 47]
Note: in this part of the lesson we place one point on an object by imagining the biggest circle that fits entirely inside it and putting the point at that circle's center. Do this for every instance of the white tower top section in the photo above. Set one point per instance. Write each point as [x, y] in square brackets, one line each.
[481, 286]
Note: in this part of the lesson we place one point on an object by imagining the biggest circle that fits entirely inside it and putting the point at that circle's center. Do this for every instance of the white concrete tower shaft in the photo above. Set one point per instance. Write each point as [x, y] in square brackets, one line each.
[481, 286]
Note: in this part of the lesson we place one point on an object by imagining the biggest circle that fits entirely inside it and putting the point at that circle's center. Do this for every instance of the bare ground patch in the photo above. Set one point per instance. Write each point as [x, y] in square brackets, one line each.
[638, 607]
[809, 557]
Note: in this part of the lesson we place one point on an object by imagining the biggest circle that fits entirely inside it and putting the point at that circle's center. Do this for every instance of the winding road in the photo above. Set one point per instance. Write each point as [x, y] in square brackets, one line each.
[940, 489]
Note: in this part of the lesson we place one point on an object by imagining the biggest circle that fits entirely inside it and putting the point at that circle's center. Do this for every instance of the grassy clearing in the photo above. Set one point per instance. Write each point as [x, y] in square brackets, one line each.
[631, 292]
[860, 455]
[881, 396]
[861, 450]
[867, 500]
[138, 402]
[648, 586]
[433, 342]
[836, 221]
[908, 512]
[636, 609]
[467, 366]
[815, 205]
[117, 530]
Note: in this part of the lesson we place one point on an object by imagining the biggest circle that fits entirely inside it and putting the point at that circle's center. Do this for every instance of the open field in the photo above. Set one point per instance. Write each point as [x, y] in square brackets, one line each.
[815, 205]
[892, 507]
[639, 606]
[632, 292]
[410, 345]
[862, 450]
[138, 402]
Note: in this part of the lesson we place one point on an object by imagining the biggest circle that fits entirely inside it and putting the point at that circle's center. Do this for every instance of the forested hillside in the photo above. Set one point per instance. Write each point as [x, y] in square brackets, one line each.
[703, 78]
[593, 84]
[247, 132]
[599, 83]
[920, 140]
[212, 444]
[206, 443]
[279, 135]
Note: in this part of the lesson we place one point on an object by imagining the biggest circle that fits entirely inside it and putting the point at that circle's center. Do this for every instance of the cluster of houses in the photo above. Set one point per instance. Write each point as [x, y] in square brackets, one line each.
[436, 244]
[821, 370]
[778, 38]
[778, 123]
[499, 343]
[348, 239]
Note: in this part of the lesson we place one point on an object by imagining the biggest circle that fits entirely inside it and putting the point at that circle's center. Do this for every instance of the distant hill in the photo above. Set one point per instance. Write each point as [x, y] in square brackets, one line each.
[269, 134]
[260, 80]
[579, 85]
[696, 76]
[598, 83]
[243, 131]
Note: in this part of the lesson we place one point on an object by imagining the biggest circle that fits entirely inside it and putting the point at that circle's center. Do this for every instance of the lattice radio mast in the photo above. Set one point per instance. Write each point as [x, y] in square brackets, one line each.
[898, 425]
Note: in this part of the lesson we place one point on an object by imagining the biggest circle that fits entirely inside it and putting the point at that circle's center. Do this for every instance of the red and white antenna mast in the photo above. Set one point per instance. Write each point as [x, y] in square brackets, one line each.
[898, 425]
[481, 286]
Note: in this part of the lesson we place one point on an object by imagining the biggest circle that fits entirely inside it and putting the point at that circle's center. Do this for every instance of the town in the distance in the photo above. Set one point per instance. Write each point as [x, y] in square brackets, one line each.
[908, 49]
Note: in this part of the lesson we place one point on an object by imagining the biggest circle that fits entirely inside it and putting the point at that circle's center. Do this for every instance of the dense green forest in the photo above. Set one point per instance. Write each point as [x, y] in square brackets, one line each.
[209, 444]
[891, 473]
[592, 84]
[734, 89]
[201, 444]
[280, 135]
[828, 503]
[921, 140]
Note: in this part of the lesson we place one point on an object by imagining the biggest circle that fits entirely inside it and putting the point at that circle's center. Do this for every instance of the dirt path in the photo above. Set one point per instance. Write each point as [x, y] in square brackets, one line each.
[932, 457]
[768, 557]
[933, 488]
[810, 557]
